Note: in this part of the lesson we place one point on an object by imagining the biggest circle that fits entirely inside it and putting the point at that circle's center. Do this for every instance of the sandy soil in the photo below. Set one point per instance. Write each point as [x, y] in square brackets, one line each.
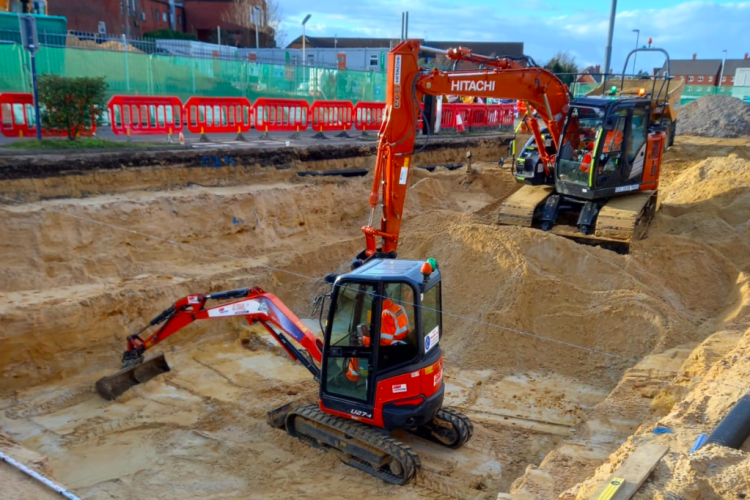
[546, 414]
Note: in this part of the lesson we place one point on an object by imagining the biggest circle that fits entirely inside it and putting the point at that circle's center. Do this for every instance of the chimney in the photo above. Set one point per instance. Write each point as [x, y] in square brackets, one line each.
[695, 56]
[746, 55]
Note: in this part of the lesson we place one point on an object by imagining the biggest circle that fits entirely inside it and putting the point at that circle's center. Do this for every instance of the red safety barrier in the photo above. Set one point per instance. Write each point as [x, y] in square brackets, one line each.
[368, 115]
[508, 115]
[145, 115]
[464, 110]
[328, 116]
[17, 118]
[281, 115]
[218, 115]
[478, 116]
[448, 116]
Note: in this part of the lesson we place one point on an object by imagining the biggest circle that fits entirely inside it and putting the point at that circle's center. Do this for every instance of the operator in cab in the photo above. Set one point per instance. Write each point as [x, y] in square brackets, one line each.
[394, 328]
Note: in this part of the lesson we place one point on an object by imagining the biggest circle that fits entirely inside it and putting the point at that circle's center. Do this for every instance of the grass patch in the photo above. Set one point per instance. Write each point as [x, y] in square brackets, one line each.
[81, 143]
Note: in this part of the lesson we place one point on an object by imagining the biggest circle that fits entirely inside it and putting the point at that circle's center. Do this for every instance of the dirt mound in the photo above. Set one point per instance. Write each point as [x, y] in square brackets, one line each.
[715, 116]
[533, 282]
[709, 201]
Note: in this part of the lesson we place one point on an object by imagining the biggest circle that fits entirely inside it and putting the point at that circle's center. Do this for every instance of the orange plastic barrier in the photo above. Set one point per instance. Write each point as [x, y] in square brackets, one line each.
[145, 115]
[465, 111]
[448, 116]
[477, 116]
[328, 116]
[218, 115]
[17, 118]
[281, 115]
[368, 115]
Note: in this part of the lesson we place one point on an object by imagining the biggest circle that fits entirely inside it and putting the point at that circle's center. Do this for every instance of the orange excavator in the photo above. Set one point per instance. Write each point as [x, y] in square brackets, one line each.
[590, 174]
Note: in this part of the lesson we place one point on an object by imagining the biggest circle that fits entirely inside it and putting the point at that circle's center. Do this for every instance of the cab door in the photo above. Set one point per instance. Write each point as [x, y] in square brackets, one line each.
[348, 371]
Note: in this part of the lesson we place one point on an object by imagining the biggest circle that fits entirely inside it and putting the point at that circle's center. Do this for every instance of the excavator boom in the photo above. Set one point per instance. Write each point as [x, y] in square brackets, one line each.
[505, 78]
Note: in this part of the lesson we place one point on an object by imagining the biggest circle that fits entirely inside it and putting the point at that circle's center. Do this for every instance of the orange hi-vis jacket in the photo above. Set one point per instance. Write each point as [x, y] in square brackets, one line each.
[394, 327]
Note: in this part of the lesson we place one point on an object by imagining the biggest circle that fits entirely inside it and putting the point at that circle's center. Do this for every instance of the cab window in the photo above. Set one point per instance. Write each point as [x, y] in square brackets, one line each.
[579, 139]
[398, 335]
[431, 327]
[637, 133]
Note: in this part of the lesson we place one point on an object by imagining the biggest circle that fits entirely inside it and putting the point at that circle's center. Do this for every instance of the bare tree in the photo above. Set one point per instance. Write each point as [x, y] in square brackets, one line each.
[242, 13]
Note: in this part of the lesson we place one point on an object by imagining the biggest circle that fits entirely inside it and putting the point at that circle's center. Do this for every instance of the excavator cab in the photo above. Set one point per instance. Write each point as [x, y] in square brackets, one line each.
[609, 148]
[381, 358]
[603, 151]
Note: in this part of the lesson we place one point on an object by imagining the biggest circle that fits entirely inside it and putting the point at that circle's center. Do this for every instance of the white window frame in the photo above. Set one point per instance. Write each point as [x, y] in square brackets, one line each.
[710, 79]
[164, 17]
[690, 78]
[732, 80]
[700, 79]
[374, 60]
[723, 79]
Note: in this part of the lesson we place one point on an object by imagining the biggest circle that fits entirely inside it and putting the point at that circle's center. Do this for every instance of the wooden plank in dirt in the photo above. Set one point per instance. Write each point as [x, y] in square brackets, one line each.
[632, 473]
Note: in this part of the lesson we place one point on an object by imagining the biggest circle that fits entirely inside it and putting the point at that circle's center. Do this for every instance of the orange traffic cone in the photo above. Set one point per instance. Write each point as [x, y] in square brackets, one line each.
[460, 124]
[182, 139]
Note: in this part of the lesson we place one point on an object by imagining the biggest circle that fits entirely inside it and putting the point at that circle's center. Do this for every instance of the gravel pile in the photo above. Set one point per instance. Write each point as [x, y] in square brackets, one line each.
[715, 116]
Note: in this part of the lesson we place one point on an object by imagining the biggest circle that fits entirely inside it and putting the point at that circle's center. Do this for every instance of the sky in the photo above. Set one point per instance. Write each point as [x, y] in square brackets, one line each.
[544, 26]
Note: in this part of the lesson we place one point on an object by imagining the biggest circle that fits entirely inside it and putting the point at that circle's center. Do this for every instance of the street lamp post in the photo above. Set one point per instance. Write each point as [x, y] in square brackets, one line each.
[304, 22]
[257, 12]
[637, 39]
[723, 63]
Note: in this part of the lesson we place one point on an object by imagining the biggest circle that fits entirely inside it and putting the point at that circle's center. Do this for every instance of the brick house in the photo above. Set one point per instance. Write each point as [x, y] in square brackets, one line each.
[116, 17]
[695, 73]
[730, 69]
[204, 16]
[138, 17]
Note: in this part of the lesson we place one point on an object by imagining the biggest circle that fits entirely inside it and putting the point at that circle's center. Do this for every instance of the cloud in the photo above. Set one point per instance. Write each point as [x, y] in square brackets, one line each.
[544, 26]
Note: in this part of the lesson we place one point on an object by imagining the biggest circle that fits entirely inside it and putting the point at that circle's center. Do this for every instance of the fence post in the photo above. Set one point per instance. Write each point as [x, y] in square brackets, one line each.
[127, 68]
[192, 67]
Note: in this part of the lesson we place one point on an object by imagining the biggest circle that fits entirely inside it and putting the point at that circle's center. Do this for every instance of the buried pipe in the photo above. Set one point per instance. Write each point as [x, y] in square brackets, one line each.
[734, 428]
[39, 477]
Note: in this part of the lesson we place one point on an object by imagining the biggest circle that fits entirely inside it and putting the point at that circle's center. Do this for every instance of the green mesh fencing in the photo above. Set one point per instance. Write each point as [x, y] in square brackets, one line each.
[144, 74]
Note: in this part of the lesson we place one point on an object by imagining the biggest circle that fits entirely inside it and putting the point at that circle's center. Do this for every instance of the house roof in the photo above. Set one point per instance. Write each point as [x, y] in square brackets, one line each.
[344, 43]
[485, 48]
[682, 67]
[732, 65]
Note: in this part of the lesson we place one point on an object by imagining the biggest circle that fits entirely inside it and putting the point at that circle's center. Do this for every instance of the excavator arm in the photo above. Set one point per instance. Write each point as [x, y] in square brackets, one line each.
[256, 305]
[504, 78]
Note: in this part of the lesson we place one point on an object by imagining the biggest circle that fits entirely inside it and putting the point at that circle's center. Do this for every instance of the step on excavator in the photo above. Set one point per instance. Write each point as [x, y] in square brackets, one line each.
[592, 172]
[379, 364]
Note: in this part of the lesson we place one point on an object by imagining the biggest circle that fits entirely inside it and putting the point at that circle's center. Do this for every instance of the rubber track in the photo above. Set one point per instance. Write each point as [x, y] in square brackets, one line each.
[460, 422]
[372, 437]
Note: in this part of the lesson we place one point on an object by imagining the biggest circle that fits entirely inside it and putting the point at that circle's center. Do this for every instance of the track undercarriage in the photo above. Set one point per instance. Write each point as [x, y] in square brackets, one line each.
[367, 448]
[613, 224]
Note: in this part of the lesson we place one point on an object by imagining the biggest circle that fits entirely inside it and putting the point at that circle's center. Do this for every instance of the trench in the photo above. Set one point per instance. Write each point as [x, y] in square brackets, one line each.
[92, 255]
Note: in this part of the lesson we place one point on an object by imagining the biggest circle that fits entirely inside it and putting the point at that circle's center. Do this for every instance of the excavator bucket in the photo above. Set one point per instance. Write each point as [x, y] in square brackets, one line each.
[113, 386]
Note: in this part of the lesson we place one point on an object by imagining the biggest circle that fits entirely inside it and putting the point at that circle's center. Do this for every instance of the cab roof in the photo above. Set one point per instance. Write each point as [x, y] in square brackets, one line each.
[389, 270]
